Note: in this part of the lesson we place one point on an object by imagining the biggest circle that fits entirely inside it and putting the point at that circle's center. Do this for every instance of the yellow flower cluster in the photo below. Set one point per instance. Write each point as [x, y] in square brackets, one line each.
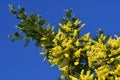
[97, 51]
[77, 57]
[87, 76]
[101, 59]
[102, 72]
[105, 58]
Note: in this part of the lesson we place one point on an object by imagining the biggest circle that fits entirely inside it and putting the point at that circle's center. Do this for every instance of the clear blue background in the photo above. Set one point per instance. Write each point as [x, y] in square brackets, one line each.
[24, 63]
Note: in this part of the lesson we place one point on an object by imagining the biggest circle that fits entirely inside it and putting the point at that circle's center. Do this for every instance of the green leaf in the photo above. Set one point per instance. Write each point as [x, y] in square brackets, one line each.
[10, 36]
[15, 37]
[74, 19]
[96, 37]
[64, 20]
[12, 10]
[68, 13]
[100, 31]
[27, 42]
[16, 34]
[21, 9]
[32, 17]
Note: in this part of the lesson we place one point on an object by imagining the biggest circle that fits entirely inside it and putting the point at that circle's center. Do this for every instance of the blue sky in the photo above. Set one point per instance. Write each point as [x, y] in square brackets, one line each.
[24, 63]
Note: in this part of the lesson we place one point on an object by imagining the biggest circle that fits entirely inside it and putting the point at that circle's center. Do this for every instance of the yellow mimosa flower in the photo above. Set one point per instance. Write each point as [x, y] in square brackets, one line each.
[75, 33]
[76, 63]
[77, 22]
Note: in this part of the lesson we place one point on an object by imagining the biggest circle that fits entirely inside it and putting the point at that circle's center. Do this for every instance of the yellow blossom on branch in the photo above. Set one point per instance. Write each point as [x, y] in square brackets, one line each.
[77, 57]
